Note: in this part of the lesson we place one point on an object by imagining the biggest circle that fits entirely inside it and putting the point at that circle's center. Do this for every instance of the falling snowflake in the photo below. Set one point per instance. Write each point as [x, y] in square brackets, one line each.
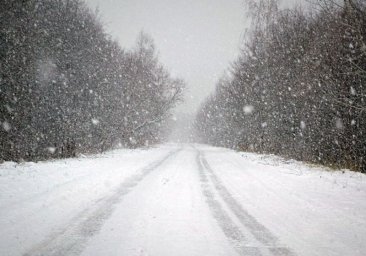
[339, 124]
[248, 109]
[302, 125]
[6, 126]
[353, 91]
[95, 121]
[52, 150]
[133, 141]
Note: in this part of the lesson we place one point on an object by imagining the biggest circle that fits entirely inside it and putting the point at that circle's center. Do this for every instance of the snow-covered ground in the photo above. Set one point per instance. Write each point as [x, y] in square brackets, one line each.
[180, 199]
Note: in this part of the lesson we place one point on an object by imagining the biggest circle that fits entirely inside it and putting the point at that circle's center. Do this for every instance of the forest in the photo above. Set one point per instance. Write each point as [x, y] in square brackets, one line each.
[297, 88]
[67, 87]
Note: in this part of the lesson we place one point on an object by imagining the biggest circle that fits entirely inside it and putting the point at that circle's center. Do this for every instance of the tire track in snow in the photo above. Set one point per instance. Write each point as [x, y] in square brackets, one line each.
[72, 239]
[260, 232]
[228, 226]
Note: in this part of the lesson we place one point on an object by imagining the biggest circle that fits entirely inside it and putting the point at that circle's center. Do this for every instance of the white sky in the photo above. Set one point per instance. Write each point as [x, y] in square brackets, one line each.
[196, 39]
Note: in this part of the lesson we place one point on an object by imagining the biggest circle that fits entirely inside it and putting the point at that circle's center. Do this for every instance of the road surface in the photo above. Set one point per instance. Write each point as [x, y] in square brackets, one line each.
[180, 199]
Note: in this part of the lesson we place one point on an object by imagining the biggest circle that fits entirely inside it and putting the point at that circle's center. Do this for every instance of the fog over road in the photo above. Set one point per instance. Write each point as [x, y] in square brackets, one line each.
[180, 199]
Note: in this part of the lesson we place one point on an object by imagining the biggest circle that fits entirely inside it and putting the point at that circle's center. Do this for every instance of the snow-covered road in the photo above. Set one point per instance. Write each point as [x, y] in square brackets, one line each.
[180, 199]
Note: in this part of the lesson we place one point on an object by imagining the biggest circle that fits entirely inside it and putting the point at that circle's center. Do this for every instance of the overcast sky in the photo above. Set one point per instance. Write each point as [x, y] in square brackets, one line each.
[197, 39]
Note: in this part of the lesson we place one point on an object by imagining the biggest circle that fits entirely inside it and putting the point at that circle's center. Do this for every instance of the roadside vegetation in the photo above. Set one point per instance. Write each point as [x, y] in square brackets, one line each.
[67, 87]
[298, 87]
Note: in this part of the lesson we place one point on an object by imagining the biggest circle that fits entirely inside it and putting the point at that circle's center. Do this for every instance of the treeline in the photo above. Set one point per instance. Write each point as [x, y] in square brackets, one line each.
[67, 87]
[298, 88]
